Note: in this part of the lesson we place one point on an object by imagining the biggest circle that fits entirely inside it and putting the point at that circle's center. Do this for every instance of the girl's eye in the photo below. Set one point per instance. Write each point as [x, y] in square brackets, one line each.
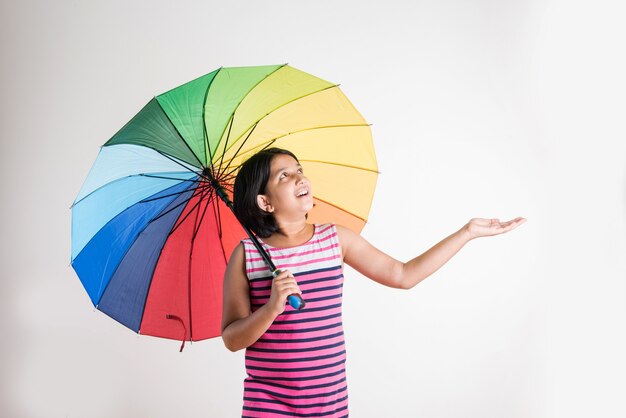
[284, 173]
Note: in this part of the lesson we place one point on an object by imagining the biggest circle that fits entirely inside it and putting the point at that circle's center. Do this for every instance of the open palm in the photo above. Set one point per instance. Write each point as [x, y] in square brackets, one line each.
[479, 227]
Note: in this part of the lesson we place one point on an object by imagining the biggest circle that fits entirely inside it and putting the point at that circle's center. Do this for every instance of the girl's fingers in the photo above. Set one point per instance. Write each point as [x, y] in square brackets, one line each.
[287, 280]
[289, 284]
[289, 291]
[286, 283]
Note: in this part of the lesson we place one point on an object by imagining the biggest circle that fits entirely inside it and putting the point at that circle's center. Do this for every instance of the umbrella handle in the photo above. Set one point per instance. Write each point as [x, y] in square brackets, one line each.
[295, 300]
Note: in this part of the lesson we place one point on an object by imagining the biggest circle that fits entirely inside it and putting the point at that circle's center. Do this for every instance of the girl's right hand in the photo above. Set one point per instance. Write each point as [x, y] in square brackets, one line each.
[283, 285]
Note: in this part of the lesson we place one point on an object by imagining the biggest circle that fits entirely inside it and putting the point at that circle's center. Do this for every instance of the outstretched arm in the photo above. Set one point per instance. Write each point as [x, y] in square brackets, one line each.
[386, 270]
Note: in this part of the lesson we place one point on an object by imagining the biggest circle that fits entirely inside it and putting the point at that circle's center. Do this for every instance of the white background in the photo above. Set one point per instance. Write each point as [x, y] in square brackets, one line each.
[479, 109]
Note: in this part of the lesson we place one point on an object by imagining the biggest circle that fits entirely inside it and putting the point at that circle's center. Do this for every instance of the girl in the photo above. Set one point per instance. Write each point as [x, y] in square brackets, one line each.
[295, 358]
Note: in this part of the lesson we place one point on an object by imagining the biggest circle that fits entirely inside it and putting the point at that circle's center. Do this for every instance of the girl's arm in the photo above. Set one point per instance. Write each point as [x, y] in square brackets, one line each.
[240, 327]
[386, 270]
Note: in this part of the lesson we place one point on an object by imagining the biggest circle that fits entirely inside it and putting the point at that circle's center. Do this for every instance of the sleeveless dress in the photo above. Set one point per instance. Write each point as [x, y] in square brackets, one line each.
[297, 368]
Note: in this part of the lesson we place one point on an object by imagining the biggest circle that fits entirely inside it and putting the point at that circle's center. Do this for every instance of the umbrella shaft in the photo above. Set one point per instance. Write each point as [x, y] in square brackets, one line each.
[294, 300]
[219, 190]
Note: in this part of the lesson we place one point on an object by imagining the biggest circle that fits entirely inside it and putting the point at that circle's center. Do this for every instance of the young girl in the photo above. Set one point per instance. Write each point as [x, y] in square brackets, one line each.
[295, 359]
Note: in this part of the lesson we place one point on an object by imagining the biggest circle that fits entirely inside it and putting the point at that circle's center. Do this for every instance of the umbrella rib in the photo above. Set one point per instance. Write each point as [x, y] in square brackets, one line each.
[179, 134]
[169, 178]
[185, 167]
[272, 140]
[180, 203]
[232, 118]
[219, 223]
[209, 198]
[241, 146]
[228, 180]
[206, 137]
[285, 104]
[344, 165]
[219, 217]
[231, 160]
[177, 224]
[227, 187]
[163, 197]
[120, 179]
[232, 115]
[193, 239]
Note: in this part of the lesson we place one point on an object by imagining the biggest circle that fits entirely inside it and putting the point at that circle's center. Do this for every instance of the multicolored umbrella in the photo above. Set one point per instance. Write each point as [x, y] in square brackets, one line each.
[152, 231]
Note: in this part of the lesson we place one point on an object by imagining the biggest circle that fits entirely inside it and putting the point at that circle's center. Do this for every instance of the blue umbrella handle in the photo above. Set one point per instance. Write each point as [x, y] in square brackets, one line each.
[295, 300]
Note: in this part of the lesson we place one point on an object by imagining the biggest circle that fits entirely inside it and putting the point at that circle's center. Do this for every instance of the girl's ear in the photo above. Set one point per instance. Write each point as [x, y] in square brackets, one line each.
[264, 203]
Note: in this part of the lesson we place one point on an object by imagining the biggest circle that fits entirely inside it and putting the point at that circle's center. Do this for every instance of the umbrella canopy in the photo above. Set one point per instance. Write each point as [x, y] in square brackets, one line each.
[152, 230]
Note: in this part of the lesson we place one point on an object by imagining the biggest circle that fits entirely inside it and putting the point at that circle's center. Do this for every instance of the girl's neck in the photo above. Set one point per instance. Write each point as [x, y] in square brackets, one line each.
[290, 234]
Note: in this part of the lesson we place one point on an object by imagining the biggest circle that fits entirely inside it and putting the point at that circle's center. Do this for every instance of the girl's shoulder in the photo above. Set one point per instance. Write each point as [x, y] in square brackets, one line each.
[347, 237]
[342, 231]
[326, 231]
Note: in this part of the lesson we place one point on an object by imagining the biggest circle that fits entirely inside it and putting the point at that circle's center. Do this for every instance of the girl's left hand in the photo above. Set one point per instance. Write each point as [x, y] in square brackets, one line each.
[479, 227]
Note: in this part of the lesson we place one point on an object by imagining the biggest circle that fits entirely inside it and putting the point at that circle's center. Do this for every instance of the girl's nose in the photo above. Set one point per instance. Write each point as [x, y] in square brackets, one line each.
[300, 178]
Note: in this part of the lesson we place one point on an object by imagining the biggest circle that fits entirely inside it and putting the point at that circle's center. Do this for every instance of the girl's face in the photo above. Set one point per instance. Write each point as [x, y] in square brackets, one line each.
[288, 191]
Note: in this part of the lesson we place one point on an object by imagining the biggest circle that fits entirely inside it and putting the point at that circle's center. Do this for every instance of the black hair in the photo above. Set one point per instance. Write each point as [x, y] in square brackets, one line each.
[251, 181]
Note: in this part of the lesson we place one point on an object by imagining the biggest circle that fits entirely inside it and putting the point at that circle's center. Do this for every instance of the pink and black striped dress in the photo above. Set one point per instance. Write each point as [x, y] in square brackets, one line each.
[297, 368]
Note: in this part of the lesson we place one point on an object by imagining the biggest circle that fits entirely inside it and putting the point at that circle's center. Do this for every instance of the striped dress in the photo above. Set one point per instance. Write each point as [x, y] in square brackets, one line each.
[297, 368]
